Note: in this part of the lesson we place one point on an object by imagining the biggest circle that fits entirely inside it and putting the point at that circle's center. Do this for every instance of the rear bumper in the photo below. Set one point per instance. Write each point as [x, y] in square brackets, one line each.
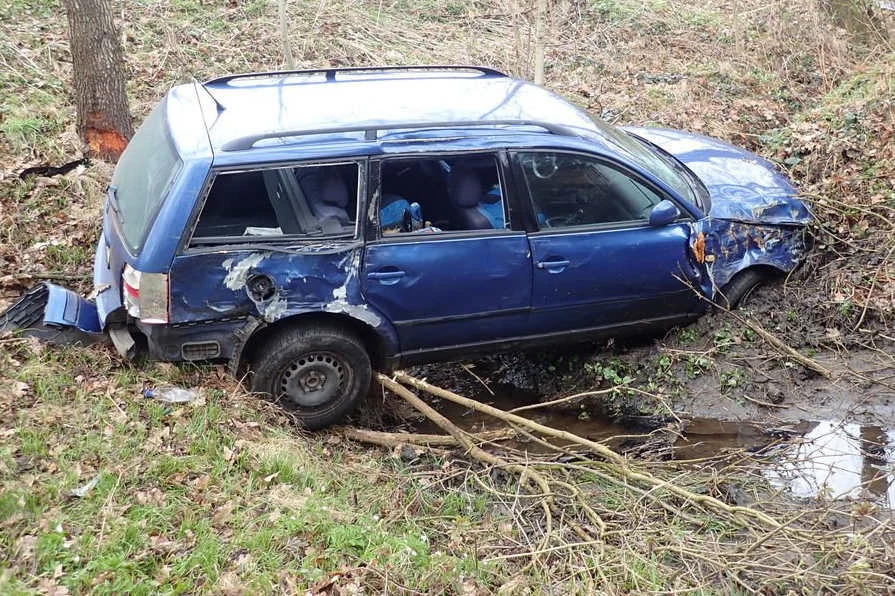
[67, 309]
[55, 314]
[200, 340]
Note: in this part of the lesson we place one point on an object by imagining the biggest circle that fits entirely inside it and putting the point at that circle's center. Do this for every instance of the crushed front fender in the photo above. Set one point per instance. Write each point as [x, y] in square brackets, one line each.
[733, 246]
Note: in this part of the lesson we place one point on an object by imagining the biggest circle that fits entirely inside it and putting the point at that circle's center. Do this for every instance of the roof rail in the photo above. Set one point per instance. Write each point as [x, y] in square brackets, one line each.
[371, 131]
[333, 71]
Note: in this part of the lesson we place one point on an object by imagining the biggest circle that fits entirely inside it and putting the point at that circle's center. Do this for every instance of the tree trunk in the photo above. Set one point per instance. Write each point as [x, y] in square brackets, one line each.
[104, 122]
[857, 17]
[284, 36]
[540, 9]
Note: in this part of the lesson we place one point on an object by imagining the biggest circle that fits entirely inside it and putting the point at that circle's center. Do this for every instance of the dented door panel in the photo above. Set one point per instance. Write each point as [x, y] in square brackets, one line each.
[442, 292]
[613, 277]
[268, 284]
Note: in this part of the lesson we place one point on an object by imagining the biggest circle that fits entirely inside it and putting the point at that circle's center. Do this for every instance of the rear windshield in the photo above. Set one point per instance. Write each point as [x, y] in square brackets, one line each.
[142, 178]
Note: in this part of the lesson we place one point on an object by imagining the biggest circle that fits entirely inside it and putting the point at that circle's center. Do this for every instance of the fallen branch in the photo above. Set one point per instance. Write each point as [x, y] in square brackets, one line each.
[525, 473]
[392, 440]
[778, 344]
[765, 404]
[769, 337]
[620, 463]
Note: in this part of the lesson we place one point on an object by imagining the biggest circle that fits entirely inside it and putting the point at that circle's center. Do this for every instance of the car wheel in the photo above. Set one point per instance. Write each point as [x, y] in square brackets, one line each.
[739, 289]
[320, 372]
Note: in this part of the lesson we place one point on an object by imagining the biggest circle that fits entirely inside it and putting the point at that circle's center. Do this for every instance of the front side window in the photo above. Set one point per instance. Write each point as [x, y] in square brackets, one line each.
[450, 193]
[306, 201]
[569, 190]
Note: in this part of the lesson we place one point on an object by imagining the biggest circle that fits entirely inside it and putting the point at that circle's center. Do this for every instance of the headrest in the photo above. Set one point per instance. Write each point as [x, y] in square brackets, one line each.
[334, 191]
[465, 187]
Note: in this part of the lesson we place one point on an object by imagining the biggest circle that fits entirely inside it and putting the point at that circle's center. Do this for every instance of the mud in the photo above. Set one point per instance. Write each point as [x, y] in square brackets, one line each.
[716, 388]
[715, 368]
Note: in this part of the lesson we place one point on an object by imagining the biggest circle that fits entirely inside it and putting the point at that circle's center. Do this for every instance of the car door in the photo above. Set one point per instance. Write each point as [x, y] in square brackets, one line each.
[255, 246]
[441, 260]
[597, 263]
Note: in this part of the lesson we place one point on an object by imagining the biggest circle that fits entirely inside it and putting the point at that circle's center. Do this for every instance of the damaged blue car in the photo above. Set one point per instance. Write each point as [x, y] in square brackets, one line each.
[309, 227]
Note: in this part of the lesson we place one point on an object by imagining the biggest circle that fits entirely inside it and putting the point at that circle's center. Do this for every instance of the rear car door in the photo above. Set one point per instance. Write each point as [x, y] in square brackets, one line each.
[268, 242]
[596, 261]
[442, 261]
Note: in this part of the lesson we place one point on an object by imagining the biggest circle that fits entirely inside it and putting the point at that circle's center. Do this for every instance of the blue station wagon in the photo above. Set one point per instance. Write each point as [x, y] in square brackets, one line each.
[313, 226]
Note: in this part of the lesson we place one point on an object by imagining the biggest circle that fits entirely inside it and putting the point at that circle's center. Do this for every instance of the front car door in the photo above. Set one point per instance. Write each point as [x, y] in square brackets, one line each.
[442, 261]
[596, 261]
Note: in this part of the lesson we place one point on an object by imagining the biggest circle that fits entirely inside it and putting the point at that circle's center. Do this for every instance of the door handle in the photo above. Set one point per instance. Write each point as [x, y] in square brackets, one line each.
[392, 276]
[552, 264]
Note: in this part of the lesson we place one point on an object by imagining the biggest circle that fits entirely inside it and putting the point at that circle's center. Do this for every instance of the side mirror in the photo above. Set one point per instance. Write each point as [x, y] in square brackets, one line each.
[664, 213]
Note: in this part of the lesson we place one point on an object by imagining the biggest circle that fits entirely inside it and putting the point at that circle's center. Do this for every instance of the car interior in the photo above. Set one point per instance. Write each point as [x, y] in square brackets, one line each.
[449, 193]
[306, 200]
[570, 190]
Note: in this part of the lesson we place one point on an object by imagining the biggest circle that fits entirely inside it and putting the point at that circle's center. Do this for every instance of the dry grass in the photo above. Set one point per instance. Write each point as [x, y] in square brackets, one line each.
[579, 510]
[778, 77]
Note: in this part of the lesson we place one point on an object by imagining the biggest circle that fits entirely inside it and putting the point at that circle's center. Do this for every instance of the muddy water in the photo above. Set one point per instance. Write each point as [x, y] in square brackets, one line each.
[830, 458]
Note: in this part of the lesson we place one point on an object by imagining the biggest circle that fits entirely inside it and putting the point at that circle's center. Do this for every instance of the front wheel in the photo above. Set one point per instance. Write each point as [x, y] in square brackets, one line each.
[739, 289]
[320, 371]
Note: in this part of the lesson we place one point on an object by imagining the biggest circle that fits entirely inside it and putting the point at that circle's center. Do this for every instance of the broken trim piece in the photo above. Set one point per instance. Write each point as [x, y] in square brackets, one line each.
[122, 340]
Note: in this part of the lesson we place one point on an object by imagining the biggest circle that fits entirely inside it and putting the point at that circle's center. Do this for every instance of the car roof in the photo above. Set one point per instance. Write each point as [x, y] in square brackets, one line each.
[258, 111]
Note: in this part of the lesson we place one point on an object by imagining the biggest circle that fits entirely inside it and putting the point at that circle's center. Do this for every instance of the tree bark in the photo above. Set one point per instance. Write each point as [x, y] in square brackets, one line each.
[284, 36]
[104, 122]
[540, 9]
[857, 17]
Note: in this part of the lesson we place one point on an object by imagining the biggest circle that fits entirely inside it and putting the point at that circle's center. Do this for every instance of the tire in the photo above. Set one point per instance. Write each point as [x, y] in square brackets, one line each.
[321, 372]
[739, 289]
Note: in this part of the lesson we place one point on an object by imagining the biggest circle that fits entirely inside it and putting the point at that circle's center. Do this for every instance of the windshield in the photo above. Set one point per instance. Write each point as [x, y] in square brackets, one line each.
[142, 178]
[661, 165]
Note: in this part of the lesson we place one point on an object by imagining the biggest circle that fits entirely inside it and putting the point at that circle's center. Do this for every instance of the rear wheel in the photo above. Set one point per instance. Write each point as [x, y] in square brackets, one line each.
[320, 371]
[739, 289]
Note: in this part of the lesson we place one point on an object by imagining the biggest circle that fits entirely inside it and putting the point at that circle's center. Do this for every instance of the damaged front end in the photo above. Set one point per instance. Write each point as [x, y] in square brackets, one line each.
[753, 216]
[733, 246]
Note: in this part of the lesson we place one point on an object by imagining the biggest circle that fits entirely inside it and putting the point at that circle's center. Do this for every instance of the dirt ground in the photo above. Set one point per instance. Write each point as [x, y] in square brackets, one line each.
[715, 368]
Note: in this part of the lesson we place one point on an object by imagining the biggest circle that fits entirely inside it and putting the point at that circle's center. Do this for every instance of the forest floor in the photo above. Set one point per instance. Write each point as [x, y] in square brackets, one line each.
[226, 495]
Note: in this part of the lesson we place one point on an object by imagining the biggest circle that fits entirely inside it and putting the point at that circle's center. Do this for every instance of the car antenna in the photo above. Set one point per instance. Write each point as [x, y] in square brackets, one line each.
[220, 106]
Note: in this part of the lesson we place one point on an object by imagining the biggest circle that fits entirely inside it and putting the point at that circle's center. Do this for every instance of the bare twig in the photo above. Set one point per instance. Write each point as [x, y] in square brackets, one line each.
[620, 463]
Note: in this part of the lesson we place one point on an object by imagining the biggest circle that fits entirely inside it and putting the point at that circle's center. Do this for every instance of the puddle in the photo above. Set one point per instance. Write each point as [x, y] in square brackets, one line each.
[840, 461]
[829, 458]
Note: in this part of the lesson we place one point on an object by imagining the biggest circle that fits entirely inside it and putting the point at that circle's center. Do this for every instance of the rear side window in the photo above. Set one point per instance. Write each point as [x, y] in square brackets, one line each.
[142, 178]
[304, 201]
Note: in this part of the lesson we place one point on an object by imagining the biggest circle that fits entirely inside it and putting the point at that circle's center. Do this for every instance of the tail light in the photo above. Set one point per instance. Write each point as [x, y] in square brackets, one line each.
[145, 295]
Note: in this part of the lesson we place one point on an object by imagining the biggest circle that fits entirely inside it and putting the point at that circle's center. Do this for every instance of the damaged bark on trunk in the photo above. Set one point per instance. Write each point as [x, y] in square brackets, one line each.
[104, 122]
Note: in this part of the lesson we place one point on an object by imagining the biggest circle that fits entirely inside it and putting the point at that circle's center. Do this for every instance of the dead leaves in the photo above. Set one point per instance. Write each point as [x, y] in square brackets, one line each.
[151, 496]
[13, 391]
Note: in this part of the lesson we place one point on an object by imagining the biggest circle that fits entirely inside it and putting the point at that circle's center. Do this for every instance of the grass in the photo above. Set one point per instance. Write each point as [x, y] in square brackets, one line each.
[226, 495]
[189, 497]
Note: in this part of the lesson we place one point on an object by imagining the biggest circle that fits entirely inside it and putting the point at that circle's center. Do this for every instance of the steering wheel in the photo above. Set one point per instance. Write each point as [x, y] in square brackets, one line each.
[560, 221]
[542, 165]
